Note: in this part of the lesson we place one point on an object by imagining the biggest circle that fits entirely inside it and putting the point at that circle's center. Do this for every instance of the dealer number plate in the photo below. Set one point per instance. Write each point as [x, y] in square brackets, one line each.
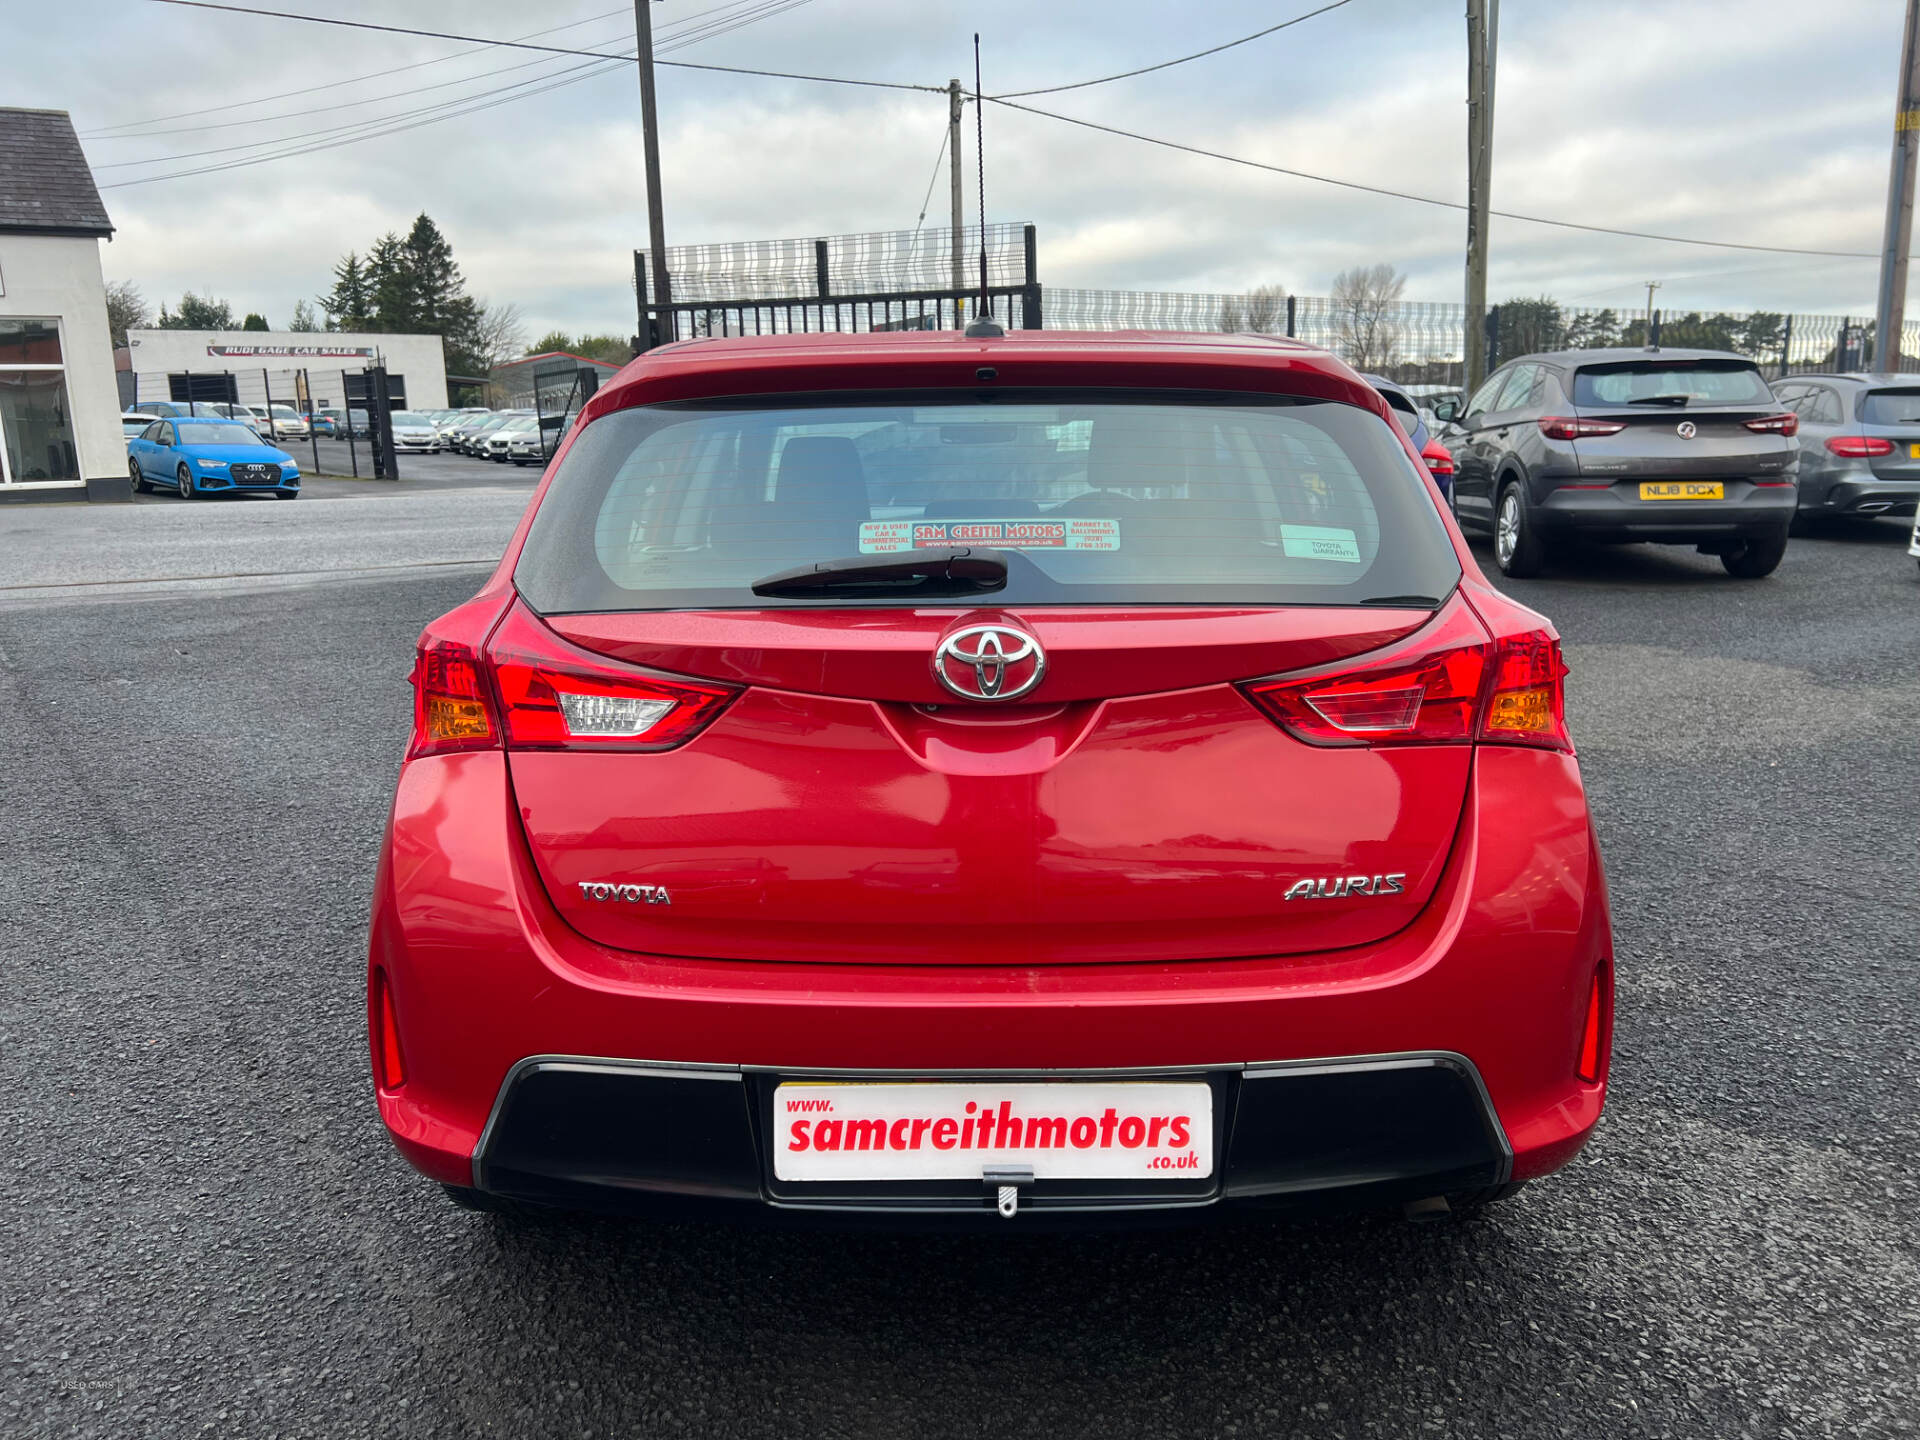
[1065, 1130]
[1682, 490]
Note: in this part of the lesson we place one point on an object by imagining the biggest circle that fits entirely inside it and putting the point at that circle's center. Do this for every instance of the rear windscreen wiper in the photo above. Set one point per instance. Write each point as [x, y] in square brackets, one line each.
[970, 571]
[1682, 398]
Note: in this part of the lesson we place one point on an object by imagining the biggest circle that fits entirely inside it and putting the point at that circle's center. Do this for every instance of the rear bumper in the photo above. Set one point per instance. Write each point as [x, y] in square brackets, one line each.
[605, 1134]
[1486, 991]
[1868, 494]
[1618, 513]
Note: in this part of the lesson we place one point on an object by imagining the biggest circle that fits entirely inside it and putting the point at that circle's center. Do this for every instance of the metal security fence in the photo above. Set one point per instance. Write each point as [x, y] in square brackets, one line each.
[887, 280]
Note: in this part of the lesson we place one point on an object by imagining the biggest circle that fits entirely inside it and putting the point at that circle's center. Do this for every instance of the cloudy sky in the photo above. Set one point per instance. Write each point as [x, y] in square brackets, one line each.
[1757, 121]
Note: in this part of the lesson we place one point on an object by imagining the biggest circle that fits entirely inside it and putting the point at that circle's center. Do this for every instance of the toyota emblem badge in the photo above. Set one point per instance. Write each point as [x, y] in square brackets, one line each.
[989, 662]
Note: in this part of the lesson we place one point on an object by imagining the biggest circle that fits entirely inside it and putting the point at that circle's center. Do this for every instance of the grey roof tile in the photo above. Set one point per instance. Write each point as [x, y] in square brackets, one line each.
[45, 183]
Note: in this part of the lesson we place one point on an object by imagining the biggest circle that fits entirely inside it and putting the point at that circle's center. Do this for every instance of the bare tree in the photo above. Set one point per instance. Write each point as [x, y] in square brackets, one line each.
[1364, 299]
[498, 333]
[126, 309]
[1262, 312]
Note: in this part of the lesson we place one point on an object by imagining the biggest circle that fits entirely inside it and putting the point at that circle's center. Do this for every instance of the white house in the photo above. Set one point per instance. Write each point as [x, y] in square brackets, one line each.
[59, 405]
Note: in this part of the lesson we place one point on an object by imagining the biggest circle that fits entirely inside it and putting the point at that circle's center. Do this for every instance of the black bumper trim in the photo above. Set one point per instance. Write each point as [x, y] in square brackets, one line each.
[593, 1133]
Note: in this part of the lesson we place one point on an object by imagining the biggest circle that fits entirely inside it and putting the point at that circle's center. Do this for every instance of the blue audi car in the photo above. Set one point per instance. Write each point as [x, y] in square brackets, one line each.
[200, 455]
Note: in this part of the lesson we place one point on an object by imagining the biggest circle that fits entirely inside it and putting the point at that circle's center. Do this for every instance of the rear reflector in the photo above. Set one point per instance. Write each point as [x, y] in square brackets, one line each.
[1572, 427]
[1589, 1067]
[1783, 424]
[1506, 693]
[1859, 447]
[389, 1071]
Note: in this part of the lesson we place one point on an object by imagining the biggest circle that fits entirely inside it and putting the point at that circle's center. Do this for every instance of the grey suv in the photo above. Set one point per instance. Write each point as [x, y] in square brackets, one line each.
[1680, 447]
[1859, 443]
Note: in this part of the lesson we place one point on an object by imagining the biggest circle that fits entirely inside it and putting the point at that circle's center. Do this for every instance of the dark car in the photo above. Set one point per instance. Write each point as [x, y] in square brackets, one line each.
[1859, 443]
[1677, 447]
[1406, 409]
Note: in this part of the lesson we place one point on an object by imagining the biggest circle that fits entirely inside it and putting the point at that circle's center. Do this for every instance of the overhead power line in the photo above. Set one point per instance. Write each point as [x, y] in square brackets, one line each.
[101, 133]
[548, 49]
[684, 33]
[1424, 199]
[1169, 64]
[354, 131]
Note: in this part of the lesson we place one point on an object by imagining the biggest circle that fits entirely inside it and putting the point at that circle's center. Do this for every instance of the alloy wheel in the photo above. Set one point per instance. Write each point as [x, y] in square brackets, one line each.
[184, 479]
[1506, 532]
[139, 480]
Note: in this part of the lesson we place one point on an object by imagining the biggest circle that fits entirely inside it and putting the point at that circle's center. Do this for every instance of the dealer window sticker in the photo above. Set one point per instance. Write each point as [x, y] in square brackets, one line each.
[884, 537]
[1319, 542]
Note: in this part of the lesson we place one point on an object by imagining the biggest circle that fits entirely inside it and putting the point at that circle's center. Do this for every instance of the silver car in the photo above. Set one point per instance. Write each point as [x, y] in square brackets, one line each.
[414, 432]
[1859, 443]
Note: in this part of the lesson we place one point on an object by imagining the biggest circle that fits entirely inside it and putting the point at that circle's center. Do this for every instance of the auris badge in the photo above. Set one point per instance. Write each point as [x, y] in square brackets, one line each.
[989, 662]
[1686, 429]
[631, 894]
[1333, 887]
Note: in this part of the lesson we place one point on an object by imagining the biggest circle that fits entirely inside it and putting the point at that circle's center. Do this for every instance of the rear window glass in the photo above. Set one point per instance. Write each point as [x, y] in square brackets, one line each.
[1890, 407]
[1656, 382]
[1093, 499]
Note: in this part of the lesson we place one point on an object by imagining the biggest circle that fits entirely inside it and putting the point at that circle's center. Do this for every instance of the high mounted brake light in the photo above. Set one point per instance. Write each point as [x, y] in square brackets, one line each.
[1508, 692]
[1572, 427]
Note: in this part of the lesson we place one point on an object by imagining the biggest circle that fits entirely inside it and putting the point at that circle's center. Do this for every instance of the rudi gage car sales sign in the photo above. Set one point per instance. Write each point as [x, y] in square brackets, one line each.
[293, 352]
[1115, 1130]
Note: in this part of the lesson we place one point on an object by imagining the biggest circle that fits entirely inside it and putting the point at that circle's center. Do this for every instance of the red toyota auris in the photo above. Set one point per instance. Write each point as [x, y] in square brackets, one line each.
[954, 776]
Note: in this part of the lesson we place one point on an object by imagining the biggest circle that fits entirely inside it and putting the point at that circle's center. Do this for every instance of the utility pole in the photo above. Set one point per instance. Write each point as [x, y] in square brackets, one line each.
[1652, 285]
[955, 201]
[650, 145]
[1483, 43]
[1890, 314]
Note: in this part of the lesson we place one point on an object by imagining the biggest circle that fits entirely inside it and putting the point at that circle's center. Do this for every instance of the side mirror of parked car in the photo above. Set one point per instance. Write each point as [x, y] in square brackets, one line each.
[1444, 410]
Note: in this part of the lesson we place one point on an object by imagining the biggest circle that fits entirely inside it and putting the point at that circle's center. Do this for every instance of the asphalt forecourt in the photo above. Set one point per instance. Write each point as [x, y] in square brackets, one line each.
[211, 1234]
[338, 458]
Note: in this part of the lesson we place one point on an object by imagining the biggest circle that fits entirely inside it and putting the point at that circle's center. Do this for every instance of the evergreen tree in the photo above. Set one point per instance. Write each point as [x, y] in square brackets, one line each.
[255, 321]
[390, 287]
[552, 340]
[434, 282]
[303, 317]
[348, 304]
[197, 312]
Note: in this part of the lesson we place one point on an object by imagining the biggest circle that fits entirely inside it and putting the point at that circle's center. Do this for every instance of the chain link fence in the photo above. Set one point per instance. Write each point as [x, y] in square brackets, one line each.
[1424, 342]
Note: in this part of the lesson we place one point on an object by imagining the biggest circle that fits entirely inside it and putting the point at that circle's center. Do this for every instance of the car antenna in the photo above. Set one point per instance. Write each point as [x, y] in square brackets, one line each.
[986, 326]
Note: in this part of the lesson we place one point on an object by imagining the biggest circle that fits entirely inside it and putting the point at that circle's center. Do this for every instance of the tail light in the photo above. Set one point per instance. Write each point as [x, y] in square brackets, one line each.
[452, 709]
[1859, 447]
[1439, 460]
[1572, 427]
[1593, 1034]
[1783, 424]
[1508, 692]
[531, 690]
[390, 1071]
[557, 696]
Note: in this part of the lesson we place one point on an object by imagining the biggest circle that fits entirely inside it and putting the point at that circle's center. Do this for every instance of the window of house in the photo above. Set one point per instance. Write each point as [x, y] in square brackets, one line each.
[36, 421]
